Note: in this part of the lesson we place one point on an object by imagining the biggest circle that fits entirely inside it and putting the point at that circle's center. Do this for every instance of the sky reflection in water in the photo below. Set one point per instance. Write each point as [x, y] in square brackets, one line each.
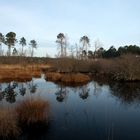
[93, 111]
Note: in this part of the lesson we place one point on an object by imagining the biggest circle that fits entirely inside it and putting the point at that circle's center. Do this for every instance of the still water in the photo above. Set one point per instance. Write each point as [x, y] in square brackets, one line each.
[94, 111]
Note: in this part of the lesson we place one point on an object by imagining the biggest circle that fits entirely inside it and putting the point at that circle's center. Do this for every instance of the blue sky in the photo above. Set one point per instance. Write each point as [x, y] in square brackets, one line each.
[113, 22]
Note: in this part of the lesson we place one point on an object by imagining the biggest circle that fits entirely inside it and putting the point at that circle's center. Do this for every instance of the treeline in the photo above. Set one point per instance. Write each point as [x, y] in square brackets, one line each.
[81, 50]
[65, 49]
[113, 52]
[10, 40]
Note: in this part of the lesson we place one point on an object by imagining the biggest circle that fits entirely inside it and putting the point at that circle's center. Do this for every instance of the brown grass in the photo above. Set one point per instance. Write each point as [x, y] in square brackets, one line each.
[19, 73]
[68, 78]
[75, 78]
[32, 111]
[8, 124]
[53, 76]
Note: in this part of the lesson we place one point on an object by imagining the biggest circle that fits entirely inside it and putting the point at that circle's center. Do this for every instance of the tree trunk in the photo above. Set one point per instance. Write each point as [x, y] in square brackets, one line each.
[32, 52]
[61, 49]
[22, 51]
[9, 53]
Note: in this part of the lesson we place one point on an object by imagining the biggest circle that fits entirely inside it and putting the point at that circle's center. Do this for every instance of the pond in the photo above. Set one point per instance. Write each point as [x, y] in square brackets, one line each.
[94, 111]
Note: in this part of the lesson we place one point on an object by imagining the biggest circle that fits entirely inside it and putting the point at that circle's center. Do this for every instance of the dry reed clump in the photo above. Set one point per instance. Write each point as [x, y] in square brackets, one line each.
[54, 76]
[8, 124]
[14, 75]
[33, 111]
[75, 78]
[17, 72]
[68, 78]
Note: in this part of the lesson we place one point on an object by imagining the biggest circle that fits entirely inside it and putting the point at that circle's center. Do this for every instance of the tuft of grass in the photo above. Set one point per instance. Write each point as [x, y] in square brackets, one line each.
[53, 76]
[75, 78]
[68, 77]
[8, 124]
[33, 111]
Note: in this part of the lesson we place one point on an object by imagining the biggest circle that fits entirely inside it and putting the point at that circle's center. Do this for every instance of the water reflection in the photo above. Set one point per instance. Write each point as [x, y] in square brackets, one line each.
[9, 91]
[126, 92]
[32, 86]
[97, 118]
[84, 92]
[61, 93]
[22, 89]
[1, 93]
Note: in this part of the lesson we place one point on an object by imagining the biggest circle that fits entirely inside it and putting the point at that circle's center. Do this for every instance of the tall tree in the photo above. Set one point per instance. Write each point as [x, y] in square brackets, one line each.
[15, 52]
[97, 46]
[2, 40]
[10, 41]
[22, 42]
[61, 41]
[33, 45]
[85, 42]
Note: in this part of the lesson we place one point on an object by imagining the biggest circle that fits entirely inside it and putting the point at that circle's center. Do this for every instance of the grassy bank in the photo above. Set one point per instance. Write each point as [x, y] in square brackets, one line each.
[70, 70]
[20, 73]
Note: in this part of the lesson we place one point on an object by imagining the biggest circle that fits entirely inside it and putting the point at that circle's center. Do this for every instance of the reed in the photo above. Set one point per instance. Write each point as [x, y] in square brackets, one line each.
[8, 124]
[33, 111]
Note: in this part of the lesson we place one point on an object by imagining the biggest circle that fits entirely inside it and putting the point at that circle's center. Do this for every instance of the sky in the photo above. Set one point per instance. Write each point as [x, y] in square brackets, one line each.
[113, 22]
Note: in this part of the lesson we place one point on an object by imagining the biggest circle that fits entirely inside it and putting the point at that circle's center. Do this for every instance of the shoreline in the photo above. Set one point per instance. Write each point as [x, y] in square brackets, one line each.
[19, 73]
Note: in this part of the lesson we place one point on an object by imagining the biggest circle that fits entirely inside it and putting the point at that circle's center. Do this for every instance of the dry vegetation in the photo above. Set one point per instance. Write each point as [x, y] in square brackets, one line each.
[8, 124]
[33, 111]
[28, 113]
[20, 73]
[68, 78]
[124, 68]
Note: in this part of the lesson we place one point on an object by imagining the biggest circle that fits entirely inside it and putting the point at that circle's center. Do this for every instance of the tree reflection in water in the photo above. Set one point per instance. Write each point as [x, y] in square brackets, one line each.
[1, 93]
[22, 90]
[61, 93]
[84, 92]
[97, 88]
[127, 92]
[32, 87]
[10, 93]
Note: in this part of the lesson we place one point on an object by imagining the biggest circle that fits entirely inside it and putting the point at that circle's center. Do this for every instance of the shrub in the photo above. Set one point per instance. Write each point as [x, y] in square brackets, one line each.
[127, 68]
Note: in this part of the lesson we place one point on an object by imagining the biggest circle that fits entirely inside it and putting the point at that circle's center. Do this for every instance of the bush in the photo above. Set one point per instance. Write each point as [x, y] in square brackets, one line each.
[127, 68]
[124, 68]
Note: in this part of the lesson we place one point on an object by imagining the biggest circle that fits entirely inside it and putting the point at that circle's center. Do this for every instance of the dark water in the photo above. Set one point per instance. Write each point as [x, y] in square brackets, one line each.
[93, 111]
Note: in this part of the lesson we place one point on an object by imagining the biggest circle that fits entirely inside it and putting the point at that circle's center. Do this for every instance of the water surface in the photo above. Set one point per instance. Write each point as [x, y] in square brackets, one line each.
[93, 111]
